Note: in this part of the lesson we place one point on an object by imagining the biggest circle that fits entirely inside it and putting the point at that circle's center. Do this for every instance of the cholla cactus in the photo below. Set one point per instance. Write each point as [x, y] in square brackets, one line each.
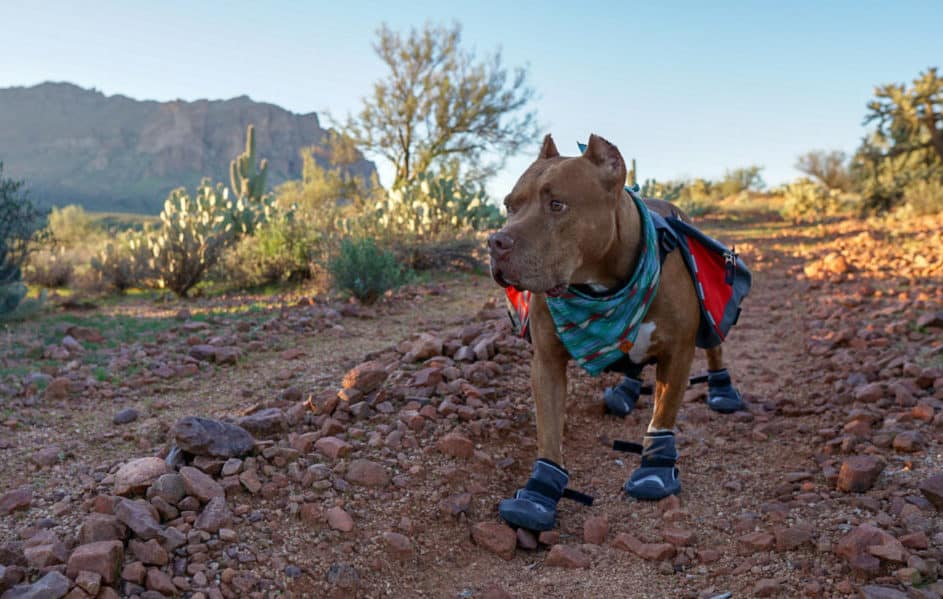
[194, 232]
[121, 265]
[247, 181]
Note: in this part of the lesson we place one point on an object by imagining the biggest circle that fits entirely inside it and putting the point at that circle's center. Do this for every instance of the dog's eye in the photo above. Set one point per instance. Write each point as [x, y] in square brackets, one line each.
[557, 206]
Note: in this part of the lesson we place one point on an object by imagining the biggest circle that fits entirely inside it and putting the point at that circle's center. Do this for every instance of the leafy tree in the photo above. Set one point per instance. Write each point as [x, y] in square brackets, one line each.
[439, 105]
[829, 168]
[742, 179]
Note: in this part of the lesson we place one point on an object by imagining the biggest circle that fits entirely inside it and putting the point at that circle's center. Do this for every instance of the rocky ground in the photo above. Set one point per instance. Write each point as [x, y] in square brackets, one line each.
[259, 447]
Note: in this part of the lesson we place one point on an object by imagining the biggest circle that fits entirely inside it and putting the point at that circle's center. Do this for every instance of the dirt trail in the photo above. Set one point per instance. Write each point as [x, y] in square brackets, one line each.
[838, 353]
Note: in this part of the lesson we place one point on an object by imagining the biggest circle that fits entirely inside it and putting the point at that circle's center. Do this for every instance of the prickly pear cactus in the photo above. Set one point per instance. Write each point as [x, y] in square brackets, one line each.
[247, 181]
[194, 231]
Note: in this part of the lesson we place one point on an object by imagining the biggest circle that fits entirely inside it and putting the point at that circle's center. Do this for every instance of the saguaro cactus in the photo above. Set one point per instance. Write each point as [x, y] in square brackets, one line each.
[247, 181]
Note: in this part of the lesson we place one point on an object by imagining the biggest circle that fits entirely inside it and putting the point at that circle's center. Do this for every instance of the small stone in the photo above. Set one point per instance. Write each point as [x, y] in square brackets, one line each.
[648, 551]
[104, 558]
[215, 515]
[456, 445]
[134, 572]
[149, 552]
[790, 538]
[101, 527]
[453, 505]
[549, 537]
[859, 473]
[203, 436]
[932, 489]
[368, 474]
[168, 487]
[160, 582]
[47, 456]
[908, 442]
[264, 423]
[881, 592]
[566, 556]
[365, 377]
[51, 586]
[678, 537]
[201, 485]
[136, 475]
[139, 517]
[526, 539]
[90, 582]
[58, 389]
[338, 519]
[16, 500]
[869, 393]
[398, 546]
[495, 537]
[595, 530]
[332, 447]
[125, 416]
[757, 541]
[766, 587]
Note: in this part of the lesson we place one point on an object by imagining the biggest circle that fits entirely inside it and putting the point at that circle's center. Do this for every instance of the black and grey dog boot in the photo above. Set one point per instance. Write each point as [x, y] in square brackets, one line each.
[535, 506]
[722, 396]
[620, 400]
[657, 476]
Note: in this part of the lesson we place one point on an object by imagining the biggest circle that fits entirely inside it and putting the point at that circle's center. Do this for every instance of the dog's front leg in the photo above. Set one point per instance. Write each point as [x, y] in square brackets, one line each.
[657, 476]
[535, 506]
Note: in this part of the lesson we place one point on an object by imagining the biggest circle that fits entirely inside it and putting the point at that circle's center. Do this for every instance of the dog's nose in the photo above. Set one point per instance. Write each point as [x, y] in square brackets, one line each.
[500, 244]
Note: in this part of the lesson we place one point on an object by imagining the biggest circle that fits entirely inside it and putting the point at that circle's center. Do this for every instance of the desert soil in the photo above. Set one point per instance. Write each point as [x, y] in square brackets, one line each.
[829, 485]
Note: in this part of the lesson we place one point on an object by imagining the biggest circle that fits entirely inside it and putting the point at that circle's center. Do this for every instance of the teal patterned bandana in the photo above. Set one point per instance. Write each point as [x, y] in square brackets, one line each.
[599, 330]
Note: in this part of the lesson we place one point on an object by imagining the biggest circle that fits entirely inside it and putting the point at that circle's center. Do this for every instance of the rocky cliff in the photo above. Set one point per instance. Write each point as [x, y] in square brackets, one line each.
[114, 153]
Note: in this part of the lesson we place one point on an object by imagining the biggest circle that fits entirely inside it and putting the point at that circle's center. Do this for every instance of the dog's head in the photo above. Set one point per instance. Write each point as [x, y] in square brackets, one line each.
[561, 219]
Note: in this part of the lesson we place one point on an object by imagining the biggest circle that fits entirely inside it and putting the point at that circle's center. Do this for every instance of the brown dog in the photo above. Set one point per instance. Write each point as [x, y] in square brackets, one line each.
[570, 222]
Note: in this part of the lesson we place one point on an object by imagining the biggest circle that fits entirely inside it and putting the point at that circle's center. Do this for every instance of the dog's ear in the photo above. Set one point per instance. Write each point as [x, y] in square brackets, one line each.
[549, 149]
[608, 159]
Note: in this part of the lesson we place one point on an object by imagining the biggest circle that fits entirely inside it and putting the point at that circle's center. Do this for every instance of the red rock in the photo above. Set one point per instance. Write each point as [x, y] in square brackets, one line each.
[134, 572]
[908, 441]
[311, 514]
[17, 499]
[859, 473]
[495, 537]
[869, 393]
[453, 505]
[368, 474]
[678, 537]
[150, 552]
[214, 516]
[757, 541]
[916, 540]
[398, 546]
[201, 485]
[250, 480]
[549, 537]
[649, 551]
[932, 489]
[349, 396]
[227, 355]
[566, 556]
[595, 530]
[426, 346]
[160, 582]
[365, 377]
[90, 582]
[855, 545]
[708, 556]
[669, 503]
[136, 475]
[889, 549]
[58, 388]
[456, 445]
[45, 552]
[340, 520]
[104, 558]
[332, 447]
[923, 412]
[766, 587]
[790, 538]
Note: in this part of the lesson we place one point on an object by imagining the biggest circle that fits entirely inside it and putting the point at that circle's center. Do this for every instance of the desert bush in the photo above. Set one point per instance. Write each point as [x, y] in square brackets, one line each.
[120, 264]
[21, 224]
[194, 232]
[283, 249]
[806, 200]
[364, 270]
[71, 226]
[51, 266]
[922, 197]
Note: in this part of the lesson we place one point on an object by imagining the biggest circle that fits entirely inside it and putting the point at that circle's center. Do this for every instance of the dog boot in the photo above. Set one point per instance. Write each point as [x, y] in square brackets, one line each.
[657, 477]
[620, 400]
[722, 396]
[535, 506]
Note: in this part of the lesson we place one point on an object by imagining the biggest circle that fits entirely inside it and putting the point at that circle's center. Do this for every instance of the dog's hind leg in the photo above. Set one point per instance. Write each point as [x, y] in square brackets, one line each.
[657, 476]
[722, 396]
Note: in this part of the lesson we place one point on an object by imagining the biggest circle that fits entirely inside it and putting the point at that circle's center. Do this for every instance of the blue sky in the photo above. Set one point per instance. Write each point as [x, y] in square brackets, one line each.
[688, 88]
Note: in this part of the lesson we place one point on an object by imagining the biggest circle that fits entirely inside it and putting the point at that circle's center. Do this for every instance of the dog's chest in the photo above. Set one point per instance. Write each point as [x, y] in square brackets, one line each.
[643, 342]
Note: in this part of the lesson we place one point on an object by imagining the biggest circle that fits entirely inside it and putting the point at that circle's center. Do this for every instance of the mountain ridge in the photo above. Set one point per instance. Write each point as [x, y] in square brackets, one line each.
[115, 153]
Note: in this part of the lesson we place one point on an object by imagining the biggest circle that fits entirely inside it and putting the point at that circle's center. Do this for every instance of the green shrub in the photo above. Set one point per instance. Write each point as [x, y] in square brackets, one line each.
[71, 226]
[120, 264]
[50, 267]
[21, 224]
[194, 232]
[365, 271]
[282, 249]
[923, 197]
[806, 200]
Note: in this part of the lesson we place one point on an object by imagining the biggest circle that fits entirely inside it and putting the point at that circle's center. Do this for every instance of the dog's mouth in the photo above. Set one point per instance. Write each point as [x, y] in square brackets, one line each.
[501, 279]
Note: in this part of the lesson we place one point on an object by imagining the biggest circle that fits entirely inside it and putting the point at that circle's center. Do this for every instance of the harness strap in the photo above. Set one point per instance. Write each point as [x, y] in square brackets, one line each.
[550, 491]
